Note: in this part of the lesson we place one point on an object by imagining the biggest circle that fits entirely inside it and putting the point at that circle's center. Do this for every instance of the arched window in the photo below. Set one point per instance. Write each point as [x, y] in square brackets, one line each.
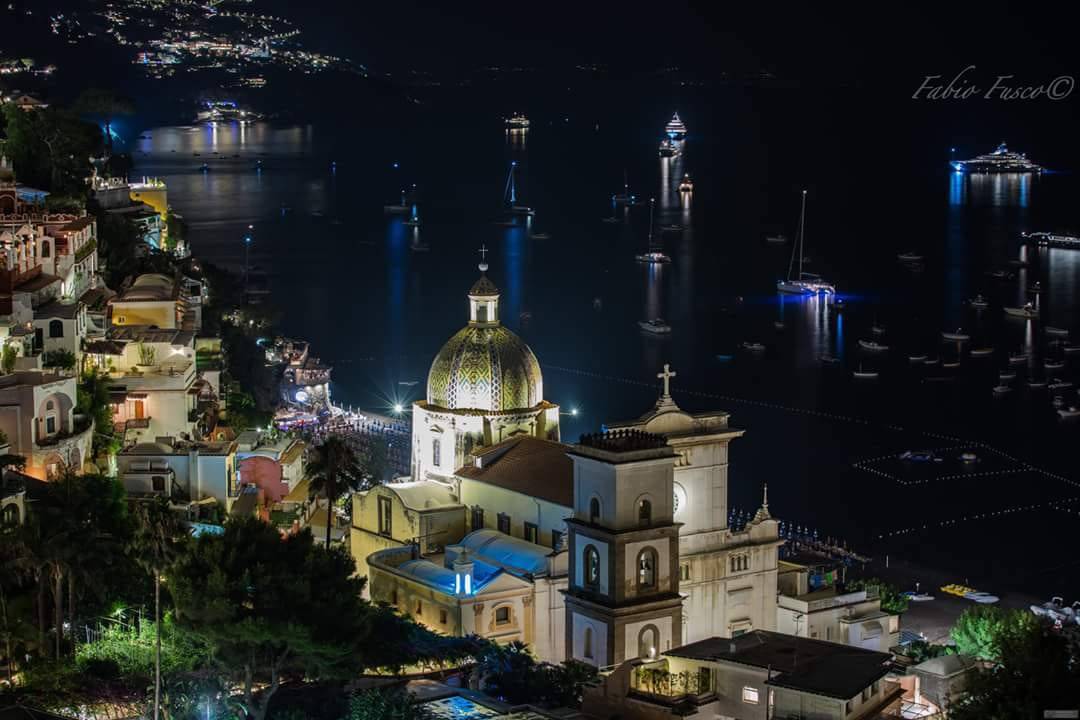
[646, 563]
[56, 329]
[644, 512]
[594, 510]
[436, 448]
[44, 249]
[592, 566]
[49, 405]
[11, 515]
[587, 650]
[648, 639]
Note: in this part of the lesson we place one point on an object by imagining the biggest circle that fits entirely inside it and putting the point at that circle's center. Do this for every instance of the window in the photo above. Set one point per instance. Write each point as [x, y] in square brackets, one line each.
[740, 563]
[50, 424]
[504, 523]
[158, 483]
[648, 639]
[49, 405]
[530, 532]
[594, 510]
[684, 571]
[385, 516]
[436, 447]
[56, 329]
[556, 540]
[502, 615]
[646, 563]
[587, 649]
[11, 515]
[847, 708]
[442, 617]
[750, 695]
[481, 312]
[477, 518]
[644, 512]
[45, 250]
[828, 632]
[592, 566]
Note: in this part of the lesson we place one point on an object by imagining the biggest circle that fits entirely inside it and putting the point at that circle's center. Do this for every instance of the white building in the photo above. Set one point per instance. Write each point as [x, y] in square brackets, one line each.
[191, 471]
[37, 414]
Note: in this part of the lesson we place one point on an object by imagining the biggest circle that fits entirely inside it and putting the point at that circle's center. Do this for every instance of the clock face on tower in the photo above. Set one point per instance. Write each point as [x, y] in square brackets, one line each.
[679, 501]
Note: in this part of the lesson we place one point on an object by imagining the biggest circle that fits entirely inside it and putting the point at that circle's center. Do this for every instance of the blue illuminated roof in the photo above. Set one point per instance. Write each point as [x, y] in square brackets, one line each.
[513, 554]
[444, 579]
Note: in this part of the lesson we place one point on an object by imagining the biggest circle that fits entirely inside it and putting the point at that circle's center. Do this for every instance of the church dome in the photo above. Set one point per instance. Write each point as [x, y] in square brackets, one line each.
[485, 366]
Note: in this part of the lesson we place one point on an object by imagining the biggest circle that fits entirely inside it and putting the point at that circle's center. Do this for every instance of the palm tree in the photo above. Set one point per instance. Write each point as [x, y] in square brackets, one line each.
[155, 544]
[333, 469]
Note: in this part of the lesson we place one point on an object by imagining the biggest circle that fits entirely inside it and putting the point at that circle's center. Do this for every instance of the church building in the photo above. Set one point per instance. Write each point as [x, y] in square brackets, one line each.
[605, 550]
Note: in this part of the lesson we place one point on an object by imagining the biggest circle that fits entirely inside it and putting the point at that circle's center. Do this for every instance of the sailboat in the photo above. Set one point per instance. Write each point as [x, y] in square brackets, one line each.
[510, 194]
[654, 255]
[804, 283]
[624, 198]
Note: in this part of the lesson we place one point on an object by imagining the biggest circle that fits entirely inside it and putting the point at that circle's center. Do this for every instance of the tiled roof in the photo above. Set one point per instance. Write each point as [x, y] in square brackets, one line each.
[531, 466]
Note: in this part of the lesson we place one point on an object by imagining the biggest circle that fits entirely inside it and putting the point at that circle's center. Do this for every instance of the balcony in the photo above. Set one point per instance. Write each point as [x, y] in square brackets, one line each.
[65, 437]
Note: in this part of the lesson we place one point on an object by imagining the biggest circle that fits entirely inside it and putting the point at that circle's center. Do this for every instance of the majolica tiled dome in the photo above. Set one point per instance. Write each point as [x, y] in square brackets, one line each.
[484, 366]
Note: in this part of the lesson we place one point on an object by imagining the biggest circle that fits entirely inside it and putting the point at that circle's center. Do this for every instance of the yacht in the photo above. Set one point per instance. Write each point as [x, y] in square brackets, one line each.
[803, 283]
[958, 336]
[982, 352]
[873, 346]
[668, 149]
[909, 257]
[1068, 413]
[753, 347]
[1028, 311]
[861, 374]
[686, 184]
[1056, 331]
[776, 239]
[1020, 358]
[1069, 242]
[1002, 160]
[675, 129]
[517, 121]
[979, 302]
[656, 326]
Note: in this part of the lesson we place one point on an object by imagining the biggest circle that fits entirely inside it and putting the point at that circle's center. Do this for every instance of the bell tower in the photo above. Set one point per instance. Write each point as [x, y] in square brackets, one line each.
[622, 600]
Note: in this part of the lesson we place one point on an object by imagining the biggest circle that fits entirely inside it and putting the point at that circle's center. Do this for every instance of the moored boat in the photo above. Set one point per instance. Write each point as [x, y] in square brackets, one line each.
[656, 326]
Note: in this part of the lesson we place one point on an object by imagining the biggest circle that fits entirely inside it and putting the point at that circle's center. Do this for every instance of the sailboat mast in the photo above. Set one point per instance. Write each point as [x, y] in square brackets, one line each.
[652, 202]
[802, 231]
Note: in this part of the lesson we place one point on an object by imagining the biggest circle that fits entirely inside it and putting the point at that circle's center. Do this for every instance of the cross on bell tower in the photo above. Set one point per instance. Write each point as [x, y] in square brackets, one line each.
[666, 377]
[483, 258]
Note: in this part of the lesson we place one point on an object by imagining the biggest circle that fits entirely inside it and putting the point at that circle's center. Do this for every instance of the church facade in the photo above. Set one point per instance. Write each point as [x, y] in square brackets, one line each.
[610, 549]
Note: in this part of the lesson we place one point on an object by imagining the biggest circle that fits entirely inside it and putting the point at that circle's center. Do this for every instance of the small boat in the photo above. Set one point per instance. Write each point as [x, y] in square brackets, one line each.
[1054, 364]
[877, 329]
[1071, 349]
[776, 239]
[1028, 311]
[917, 358]
[920, 456]
[686, 185]
[668, 149]
[909, 257]
[958, 336]
[861, 374]
[872, 346]
[521, 210]
[540, 236]
[1000, 275]
[779, 324]
[951, 365]
[753, 347]
[1060, 385]
[653, 257]
[1056, 331]
[672, 228]
[1036, 384]
[982, 352]
[1018, 358]
[517, 121]
[979, 302]
[1070, 413]
[1000, 390]
[829, 359]
[969, 457]
[1006, 376]
[656, 326]
[931, 361]
[983, 598]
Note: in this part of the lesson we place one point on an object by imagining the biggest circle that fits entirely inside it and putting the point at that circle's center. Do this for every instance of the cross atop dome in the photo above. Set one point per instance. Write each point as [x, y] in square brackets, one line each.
[483, 258]
[666, 377]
